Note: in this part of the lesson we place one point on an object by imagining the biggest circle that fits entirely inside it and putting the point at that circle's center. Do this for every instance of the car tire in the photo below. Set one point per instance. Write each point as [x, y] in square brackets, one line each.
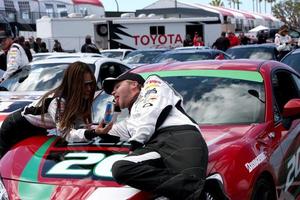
[263, 190]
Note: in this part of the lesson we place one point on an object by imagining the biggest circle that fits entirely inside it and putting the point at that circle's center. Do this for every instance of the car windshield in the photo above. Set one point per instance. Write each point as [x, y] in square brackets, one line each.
[113, 54]
[213, 97]
[251, 53]
[141, 57]
[38, 77]
[293, 60]
[182, 56]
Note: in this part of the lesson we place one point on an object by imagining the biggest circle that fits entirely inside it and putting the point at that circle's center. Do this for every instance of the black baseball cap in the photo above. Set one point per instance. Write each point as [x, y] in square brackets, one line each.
[109, 83]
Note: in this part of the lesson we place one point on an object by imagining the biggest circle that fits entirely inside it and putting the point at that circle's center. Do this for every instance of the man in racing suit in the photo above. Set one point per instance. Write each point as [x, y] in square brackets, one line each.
[168, 153]
[16, 57]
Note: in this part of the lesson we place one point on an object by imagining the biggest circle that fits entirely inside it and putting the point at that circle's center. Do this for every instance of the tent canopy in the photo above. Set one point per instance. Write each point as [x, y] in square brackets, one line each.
[259, 28]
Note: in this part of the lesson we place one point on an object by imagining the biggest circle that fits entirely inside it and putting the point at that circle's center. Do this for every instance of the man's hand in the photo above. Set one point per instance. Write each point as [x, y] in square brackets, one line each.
[102, 128]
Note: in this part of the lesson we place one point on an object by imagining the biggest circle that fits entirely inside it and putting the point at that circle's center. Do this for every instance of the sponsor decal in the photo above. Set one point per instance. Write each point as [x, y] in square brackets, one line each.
[4, 106]
[293, 167]
[151, 85]
[255, 162]
[81, 164]
[152, 91]
[147, 105]
[145, 40]
[119, 193]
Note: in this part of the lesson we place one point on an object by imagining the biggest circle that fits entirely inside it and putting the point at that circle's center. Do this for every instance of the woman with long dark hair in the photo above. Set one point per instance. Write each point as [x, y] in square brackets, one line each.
[67, 108]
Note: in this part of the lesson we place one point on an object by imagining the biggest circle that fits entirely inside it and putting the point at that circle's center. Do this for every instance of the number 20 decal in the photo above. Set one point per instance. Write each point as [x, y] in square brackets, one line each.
[102, 164]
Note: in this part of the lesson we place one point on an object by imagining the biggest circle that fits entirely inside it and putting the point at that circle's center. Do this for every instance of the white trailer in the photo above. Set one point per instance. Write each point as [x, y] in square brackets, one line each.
[70, 32]
[129, 33]
[141, 33]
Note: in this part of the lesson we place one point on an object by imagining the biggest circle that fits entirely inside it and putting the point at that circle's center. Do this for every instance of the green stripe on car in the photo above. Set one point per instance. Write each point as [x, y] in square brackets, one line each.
[233, 74]
[29, 188]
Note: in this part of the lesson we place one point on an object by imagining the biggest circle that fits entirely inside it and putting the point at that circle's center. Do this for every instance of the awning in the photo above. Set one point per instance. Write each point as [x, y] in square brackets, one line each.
[229, 12]
[259, 28]
[92, 2]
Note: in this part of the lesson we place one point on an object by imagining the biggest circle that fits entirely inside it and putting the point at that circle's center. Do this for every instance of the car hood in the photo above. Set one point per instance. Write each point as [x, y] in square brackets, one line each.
[49, 168]
[52, 165]
[227, 139]
[11, 101]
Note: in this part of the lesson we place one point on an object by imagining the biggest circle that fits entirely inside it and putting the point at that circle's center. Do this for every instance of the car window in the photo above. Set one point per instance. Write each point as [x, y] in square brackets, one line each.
[136, 57]
[39, 77]
[110, 69]
[284, 89]
[294, 34]
[220, 100]
[215, 99]
[252, 53]
[293, 60]
[36, 79]
[113, 54]
[99, 106]
[182, 56]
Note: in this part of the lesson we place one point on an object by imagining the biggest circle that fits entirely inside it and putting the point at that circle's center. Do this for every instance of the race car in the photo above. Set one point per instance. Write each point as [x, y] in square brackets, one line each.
[32, 81]
[249, 115]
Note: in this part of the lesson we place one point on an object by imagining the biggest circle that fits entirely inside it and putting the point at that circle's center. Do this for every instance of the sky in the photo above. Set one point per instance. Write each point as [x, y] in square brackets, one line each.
[132, 5]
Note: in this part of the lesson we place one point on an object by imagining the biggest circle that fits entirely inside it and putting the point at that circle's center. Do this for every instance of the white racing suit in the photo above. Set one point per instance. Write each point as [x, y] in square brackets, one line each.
[169, 156]
[283, 45]
[16, 59]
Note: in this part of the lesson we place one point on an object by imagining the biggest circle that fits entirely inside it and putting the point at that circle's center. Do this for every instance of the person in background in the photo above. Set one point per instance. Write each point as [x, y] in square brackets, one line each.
[21, 41]
[164, 139]
[199, 41]
[88, 46]
[188, 41]
[57, 47]
[31, 42]
[2, 60]
[67, 108]
[283, 41]
[16, 56]
[233, 39]
[37, 45]
[43, 47]
[261, 37]
[195, 38]
[222, 43]
[28, 46]
[243, 38]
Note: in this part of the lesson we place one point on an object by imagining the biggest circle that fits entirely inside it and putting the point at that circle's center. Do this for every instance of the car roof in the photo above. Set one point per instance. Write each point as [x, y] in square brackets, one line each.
[296, 51]
[88, 60]
[145, 50]
[117, 50]
[191, 51]
[239, 64]
[265, 45]
[192, 47]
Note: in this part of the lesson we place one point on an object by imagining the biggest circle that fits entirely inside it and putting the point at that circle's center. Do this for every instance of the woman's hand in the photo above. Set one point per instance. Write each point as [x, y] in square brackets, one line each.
[102, 128]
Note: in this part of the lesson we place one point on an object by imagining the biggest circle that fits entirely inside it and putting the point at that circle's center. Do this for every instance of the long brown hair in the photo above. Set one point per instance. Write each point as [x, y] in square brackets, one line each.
[72, 90]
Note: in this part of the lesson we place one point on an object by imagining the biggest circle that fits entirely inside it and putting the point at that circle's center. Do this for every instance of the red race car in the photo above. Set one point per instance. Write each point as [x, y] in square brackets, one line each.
[249, 115]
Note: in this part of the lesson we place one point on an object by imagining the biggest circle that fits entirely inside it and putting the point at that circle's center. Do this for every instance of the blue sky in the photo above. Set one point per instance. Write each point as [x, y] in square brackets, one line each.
[132, 5]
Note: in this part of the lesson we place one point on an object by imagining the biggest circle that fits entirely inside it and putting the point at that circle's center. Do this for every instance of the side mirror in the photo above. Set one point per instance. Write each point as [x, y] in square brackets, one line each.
[291, 108]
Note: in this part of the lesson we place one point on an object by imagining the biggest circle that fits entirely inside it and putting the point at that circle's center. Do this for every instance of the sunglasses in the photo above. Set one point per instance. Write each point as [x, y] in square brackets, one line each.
[89, 83]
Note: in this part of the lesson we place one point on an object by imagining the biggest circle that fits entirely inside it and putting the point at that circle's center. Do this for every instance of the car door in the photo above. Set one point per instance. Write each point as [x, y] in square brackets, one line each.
[110, 69]
[286, 86]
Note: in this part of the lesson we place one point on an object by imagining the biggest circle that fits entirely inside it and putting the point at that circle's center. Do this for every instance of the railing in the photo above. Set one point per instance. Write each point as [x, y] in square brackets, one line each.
[27, 17]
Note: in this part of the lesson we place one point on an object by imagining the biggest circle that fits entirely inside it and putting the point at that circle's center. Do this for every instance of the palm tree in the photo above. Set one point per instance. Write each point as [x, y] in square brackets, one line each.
[271, 3]
[238, 2]
[217, 3]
